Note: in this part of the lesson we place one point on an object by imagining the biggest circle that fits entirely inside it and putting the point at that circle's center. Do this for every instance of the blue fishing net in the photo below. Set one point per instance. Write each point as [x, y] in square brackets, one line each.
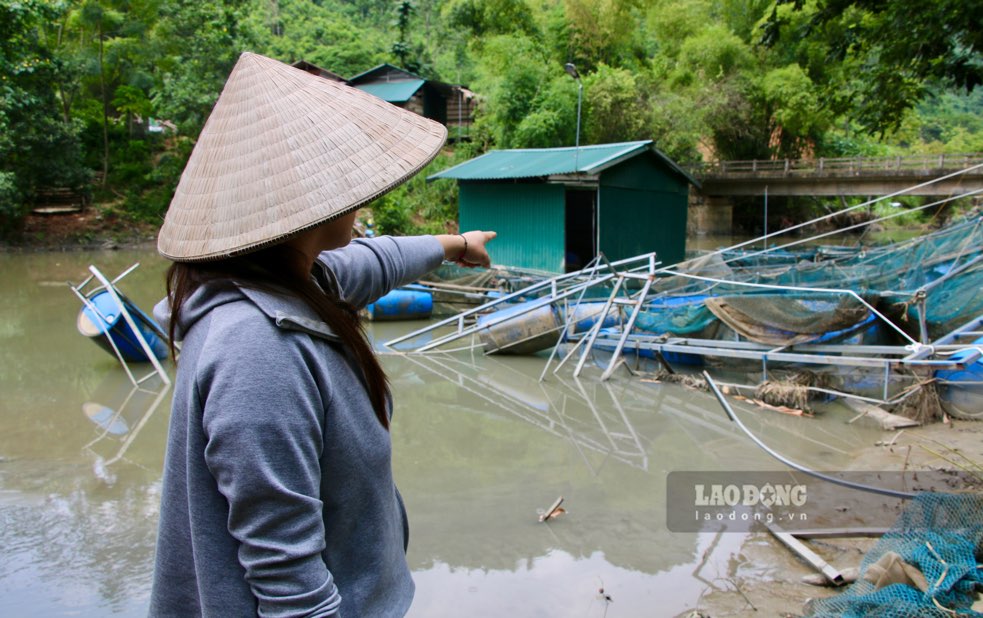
[939, 534]
[676, 316]
[943, 267]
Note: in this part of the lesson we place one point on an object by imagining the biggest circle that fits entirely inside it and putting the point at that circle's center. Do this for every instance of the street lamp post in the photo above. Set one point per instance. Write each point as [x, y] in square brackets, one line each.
[572, 71]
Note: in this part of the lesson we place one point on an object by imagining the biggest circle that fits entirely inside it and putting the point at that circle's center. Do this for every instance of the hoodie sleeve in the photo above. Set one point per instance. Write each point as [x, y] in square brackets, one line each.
[368, 269]
[263, 418]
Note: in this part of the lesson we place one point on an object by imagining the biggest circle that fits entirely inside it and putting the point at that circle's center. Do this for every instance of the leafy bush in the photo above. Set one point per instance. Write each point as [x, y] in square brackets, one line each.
[148, 201]
[11, 205]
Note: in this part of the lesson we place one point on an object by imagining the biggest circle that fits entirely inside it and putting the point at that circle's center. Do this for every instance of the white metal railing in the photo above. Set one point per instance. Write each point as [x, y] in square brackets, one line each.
[843, 166]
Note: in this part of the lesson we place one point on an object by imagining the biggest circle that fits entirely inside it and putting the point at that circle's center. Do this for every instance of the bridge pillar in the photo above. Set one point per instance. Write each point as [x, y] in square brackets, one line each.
[709, 214]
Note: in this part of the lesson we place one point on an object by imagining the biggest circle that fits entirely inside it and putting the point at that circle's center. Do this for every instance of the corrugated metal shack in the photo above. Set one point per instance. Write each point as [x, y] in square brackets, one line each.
[556, 208]
[448, 104]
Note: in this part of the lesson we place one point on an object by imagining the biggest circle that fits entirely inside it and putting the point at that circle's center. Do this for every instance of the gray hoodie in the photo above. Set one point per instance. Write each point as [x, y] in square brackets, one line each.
[278, 496]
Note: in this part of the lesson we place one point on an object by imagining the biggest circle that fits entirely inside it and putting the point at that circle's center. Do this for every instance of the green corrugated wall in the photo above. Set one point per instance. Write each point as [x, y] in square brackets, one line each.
[527, 216]
[642, 209]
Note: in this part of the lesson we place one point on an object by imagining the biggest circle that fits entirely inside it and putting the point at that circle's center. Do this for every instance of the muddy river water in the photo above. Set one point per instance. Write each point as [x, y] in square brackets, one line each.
[479, 445]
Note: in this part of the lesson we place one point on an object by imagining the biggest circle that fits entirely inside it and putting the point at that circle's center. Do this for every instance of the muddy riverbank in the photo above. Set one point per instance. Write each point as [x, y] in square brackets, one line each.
[89, 230]
[765, 579]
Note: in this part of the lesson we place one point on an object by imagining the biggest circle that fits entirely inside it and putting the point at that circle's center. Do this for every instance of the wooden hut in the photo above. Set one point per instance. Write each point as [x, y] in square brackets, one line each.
[448, 104]
[555, 208]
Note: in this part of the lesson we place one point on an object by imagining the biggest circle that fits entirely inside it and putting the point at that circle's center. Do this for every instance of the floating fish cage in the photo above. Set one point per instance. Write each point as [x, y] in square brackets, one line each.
[893, 314]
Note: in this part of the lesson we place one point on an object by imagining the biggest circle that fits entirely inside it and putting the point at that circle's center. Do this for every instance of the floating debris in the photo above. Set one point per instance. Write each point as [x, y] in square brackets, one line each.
[552, 512]
[790, 393]
[885, 419]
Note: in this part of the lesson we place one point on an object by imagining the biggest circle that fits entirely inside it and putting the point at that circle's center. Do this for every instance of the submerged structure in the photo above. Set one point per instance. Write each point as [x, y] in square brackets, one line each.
[899, 324]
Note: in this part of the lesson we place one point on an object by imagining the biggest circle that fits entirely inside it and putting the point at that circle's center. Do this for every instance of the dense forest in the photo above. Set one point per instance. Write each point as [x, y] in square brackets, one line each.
[106, 97]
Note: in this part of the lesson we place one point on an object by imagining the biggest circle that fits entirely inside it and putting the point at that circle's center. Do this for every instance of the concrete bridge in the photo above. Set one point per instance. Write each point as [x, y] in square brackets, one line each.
[928, 175]
[866, 176]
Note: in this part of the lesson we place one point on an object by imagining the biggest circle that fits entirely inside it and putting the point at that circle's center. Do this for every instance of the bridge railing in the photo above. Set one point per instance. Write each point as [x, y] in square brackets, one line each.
[847, 166]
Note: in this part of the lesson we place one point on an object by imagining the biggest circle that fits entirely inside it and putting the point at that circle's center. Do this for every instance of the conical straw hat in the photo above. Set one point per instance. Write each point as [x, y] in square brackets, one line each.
[284, 151]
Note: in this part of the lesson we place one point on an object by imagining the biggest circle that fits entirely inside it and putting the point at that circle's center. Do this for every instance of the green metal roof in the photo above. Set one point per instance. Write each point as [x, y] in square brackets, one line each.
[385, 67]
[538, 162]
[394, 92]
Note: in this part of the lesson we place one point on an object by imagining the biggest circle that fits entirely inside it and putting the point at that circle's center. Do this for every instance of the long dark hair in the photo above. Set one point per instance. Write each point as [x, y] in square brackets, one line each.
[282, 269]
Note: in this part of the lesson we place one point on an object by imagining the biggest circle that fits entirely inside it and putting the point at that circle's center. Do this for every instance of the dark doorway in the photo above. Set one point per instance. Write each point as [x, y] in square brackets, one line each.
[580, 227]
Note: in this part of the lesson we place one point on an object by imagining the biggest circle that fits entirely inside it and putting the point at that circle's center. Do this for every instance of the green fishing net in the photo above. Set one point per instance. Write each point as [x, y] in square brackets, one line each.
[939, 274]
[940, 535]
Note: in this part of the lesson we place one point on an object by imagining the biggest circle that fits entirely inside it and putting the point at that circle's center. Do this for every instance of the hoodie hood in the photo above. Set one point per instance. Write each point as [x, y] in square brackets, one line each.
[288, 312]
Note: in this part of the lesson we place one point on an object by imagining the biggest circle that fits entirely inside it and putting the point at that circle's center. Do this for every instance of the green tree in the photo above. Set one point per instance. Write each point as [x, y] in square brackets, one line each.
[673, 21]
[198, 43]
[552, 121]
[742, 16]
[97, 22]
[325, 34]
[708, 83]
[483, 18]
[511, 72]
[402, 48]
[796, 118]
[615, 107]
[898, 50]
[37, 147]
[712, 55]
[675, 129]
[601, 31]
[133, 102]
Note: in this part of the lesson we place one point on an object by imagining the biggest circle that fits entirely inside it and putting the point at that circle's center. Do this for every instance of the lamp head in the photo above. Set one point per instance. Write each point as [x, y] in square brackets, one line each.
[571, 70]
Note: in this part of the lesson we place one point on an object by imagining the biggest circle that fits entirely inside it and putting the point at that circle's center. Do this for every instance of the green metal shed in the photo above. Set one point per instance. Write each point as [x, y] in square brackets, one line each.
[555, 208]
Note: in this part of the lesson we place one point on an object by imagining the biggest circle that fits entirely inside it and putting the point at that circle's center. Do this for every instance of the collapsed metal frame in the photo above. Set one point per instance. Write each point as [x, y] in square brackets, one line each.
[887, 358]
[110, 287]
[919, 355]
[554, 291]
[913, 356]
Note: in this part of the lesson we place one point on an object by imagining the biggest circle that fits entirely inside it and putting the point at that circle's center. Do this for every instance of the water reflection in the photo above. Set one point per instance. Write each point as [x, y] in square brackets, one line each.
[73, 544]
[479, 445]
[594, 422]
[120, 410]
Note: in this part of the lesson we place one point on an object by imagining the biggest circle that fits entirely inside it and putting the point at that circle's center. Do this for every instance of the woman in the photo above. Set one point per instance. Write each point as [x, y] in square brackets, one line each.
[278, 497]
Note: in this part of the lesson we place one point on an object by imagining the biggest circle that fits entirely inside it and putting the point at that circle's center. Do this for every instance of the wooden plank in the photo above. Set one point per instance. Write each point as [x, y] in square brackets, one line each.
[66, 209]
[885, 419]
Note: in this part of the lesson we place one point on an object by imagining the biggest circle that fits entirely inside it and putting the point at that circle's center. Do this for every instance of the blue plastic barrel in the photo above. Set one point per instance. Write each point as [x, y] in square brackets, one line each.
[962, 389]
[519, 329]
[401, 304]
[107, 321]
